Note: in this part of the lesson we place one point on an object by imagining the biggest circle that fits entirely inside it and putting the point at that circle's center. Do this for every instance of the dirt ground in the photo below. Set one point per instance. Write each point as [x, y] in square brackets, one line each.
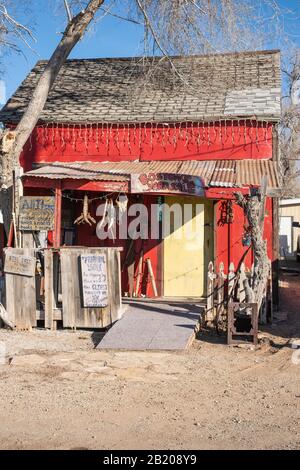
[58, 392]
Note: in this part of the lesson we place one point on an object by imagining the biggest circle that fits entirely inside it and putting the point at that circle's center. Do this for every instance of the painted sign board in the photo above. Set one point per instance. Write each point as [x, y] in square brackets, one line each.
[36, 213]
[94, 280]
[19, 264]
[166, 183]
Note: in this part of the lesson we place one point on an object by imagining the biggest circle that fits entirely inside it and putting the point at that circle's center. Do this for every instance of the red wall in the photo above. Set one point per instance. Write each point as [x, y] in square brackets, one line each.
[198, 142]
[86, 236]
[243, 140]
[228, 236]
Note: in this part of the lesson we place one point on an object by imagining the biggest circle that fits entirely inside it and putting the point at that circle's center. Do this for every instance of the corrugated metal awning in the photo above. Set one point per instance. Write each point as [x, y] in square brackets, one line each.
[76, 170]
[224, 174]
[214, 173]
[250, 172]
[121, 171]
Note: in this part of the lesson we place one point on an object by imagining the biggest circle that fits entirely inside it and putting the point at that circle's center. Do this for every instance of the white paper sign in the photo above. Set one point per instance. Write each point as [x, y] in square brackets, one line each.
[94, 280]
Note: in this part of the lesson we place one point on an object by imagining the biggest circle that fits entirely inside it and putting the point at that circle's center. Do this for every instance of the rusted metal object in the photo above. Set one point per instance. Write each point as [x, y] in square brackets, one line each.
[242, 323]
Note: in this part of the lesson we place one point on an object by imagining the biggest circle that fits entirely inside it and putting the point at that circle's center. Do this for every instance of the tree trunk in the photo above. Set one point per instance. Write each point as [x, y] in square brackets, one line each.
[71, 36]
[254, 211]
[73, 33]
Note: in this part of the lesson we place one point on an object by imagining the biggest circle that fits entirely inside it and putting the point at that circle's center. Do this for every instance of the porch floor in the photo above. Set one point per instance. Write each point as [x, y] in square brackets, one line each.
[153, 325]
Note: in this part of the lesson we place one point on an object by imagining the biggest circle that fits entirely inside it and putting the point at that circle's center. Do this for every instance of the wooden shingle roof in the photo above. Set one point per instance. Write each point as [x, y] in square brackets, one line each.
[115, 90]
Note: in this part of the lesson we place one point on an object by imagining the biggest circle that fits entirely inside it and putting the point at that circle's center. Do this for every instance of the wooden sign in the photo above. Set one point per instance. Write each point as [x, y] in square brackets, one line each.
[19, 264]
[94, 280]
[168, 183]
[36, 213]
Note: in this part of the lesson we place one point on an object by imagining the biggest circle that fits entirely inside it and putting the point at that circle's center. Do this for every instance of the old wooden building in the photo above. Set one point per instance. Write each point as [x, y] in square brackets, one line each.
[110, 136]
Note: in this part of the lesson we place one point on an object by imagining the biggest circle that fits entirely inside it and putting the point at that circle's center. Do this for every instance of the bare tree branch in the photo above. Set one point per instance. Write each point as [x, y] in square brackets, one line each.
[11, 28]
[73, 33]
[68, 11]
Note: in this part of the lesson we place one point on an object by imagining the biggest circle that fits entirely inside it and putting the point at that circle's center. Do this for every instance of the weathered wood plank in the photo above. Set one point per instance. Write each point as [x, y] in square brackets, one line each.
[68, 295]
[29, 302]
[19, 264]
[211, 277]
[49, 289]
[220, 284]
[231, 277]
[57, 314]
[74, 314]
[241, 288]
[27, 240]
[20, 294]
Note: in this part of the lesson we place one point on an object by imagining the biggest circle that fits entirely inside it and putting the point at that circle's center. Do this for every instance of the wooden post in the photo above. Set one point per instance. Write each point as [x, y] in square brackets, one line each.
[275, 263]
[57, 216]
[151, 275]
[275, 224]
[49, 292]
[139, 274]
[241, 288]
[11, 235]
[211, 276]
[221, 280]
[231, 276]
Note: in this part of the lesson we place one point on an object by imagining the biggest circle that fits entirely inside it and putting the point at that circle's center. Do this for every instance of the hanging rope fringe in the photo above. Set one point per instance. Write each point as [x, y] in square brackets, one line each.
[133, 137]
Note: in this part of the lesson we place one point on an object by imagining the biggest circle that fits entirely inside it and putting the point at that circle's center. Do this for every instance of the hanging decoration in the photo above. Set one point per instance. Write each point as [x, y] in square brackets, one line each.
[102, 221]
[122, 203]
[226, 213]
[85, 216]
[110, 138]
[109, 217]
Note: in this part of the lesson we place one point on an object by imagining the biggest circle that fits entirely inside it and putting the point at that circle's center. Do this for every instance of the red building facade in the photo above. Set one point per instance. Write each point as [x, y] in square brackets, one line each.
[95, 140]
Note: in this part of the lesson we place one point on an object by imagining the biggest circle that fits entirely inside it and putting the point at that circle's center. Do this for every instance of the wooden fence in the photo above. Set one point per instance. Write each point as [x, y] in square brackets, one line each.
[54, 291]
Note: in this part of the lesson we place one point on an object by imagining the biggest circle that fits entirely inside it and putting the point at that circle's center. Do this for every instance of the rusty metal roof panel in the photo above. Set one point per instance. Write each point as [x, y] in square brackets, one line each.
[220, 173]
[170, 166]
[224, 174]
[251, 172]
[120, 171]
[203, 169]
[73, 171]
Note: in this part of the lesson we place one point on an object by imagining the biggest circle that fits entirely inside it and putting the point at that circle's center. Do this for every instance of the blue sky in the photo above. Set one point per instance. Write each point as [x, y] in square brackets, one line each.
[109, 38]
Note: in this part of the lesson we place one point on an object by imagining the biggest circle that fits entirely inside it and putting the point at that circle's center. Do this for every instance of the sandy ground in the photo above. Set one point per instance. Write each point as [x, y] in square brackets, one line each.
[58, 392]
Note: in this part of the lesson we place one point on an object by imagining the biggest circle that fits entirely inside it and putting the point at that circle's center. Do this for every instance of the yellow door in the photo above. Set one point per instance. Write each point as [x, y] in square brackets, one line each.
[183, 252]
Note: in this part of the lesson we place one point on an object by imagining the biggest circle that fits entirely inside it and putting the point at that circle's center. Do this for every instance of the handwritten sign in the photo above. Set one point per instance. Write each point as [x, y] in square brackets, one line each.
[94, 280]
[36, 213]
[166, 183]
[19, 264]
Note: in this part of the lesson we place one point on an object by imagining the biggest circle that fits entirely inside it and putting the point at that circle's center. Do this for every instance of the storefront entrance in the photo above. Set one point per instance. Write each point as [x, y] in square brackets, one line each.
[183, 248]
